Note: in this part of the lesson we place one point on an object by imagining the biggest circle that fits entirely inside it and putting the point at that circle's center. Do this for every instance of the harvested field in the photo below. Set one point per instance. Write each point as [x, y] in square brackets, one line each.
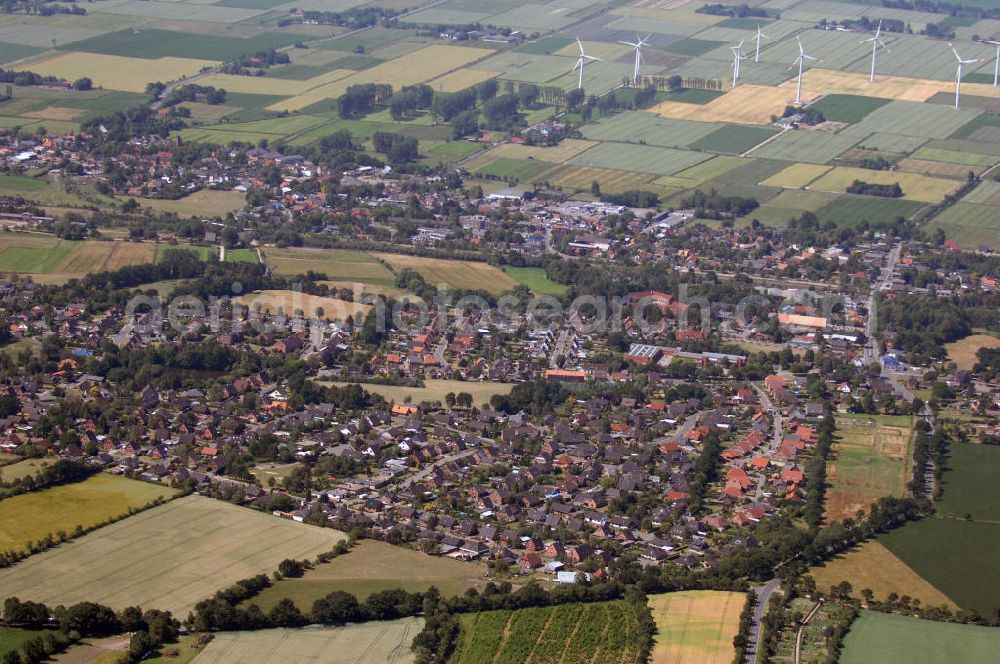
[189, 548]
[436, 389]
[370, 567]
[746, 104]
[31, 516]
[871, 457]
[453, 273]
[117, 72]
[796, 176]
[579, 178]
[291, 302]
[695, 627]
[874, 567]
[378, 641]
[963, 352]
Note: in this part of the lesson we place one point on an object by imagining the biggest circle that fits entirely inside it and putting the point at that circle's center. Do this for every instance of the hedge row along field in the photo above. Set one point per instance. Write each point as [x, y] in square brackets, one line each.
[605, 632]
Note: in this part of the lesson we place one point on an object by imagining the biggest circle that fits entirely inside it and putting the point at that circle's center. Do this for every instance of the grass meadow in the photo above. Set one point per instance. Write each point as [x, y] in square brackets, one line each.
[535, 279]
[695, 627]
[373, 566]
[31, 516]
[879, 638]
[963, 352]
[870, 459]
[168, 557]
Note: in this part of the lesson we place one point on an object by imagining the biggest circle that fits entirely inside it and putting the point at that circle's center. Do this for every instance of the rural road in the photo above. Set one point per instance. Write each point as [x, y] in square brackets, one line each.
[776, 436]
[753, 638]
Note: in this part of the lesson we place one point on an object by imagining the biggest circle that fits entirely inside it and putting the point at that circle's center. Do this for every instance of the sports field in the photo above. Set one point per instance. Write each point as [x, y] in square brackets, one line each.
[604, 632]
[168, 557]
[31, 516]
[373, 566]
[872, 566]
[471, 275]
[880, 638]
[435, 390]
[695, 627]
[871, 459]
[385, 641]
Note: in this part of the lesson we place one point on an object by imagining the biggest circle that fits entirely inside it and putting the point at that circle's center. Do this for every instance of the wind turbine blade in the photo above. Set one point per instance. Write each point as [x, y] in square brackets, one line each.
[809, 57]
[580, 44]
[629, 44]
[590, 57]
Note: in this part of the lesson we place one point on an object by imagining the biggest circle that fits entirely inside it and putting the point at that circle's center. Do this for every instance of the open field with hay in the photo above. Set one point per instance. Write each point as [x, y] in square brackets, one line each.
[189, 548]
[370, 567]
[963, 352]
[879, 638]
[606, 632]
[378, 641]
[871, 459]
[695, 627]
[918, 188]
[436, 389]
[202, 203]
[31, 516]
[290, 302]
[872, 566]
[457, 274]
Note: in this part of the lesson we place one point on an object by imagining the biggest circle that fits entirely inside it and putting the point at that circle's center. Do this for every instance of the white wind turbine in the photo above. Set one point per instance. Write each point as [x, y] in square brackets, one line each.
[580, 62]
[759, 38]
[875, 41]
[738, 57]
[798, 61]
[996, 67]
[637, 47]
[958, 74]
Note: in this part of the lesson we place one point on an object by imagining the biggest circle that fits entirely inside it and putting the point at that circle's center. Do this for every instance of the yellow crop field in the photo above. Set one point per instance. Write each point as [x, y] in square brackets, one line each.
[424, 65]
[915, 187]
[461, 79]
[796, 176]
[878, 569]
[116, 72]
[558, 154]
[826, 81]
[747, 104]
[581, 177]
[695, 627]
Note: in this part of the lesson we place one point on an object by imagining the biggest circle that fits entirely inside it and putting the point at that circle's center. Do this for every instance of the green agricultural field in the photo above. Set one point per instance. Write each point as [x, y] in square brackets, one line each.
[955, 157]
[967, 224]
[960, 558]
[26, 252]
[241, 256]
[535, 279]
[514, 169]
[580, 178]
[202, 203]
[693, 47]
[203, 253]
[544, 46]
[370, 567]
[153, 43]
[871, 459]
[377, 641]
[435, 390]
[880, 638]
[971, 481]
[12, 638]
[888, 142]
[601, 632]
[806, 146]
[341, 265]
[206, 543]
[642, 158]
[31, 516]
[849, 210]
[689, 96]
[847, 108]
[647, 128]
[912, 119]
[733, 139]
[804, 201]
[770, 215]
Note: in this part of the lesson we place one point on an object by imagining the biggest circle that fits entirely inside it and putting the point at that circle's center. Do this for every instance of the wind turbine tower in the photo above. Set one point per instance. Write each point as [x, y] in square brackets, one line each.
[798, 61]
[737, 58]
[637, 47]
[875, 41]
[996, 66]
[760, 37]
[580, 62]
[958, 75]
